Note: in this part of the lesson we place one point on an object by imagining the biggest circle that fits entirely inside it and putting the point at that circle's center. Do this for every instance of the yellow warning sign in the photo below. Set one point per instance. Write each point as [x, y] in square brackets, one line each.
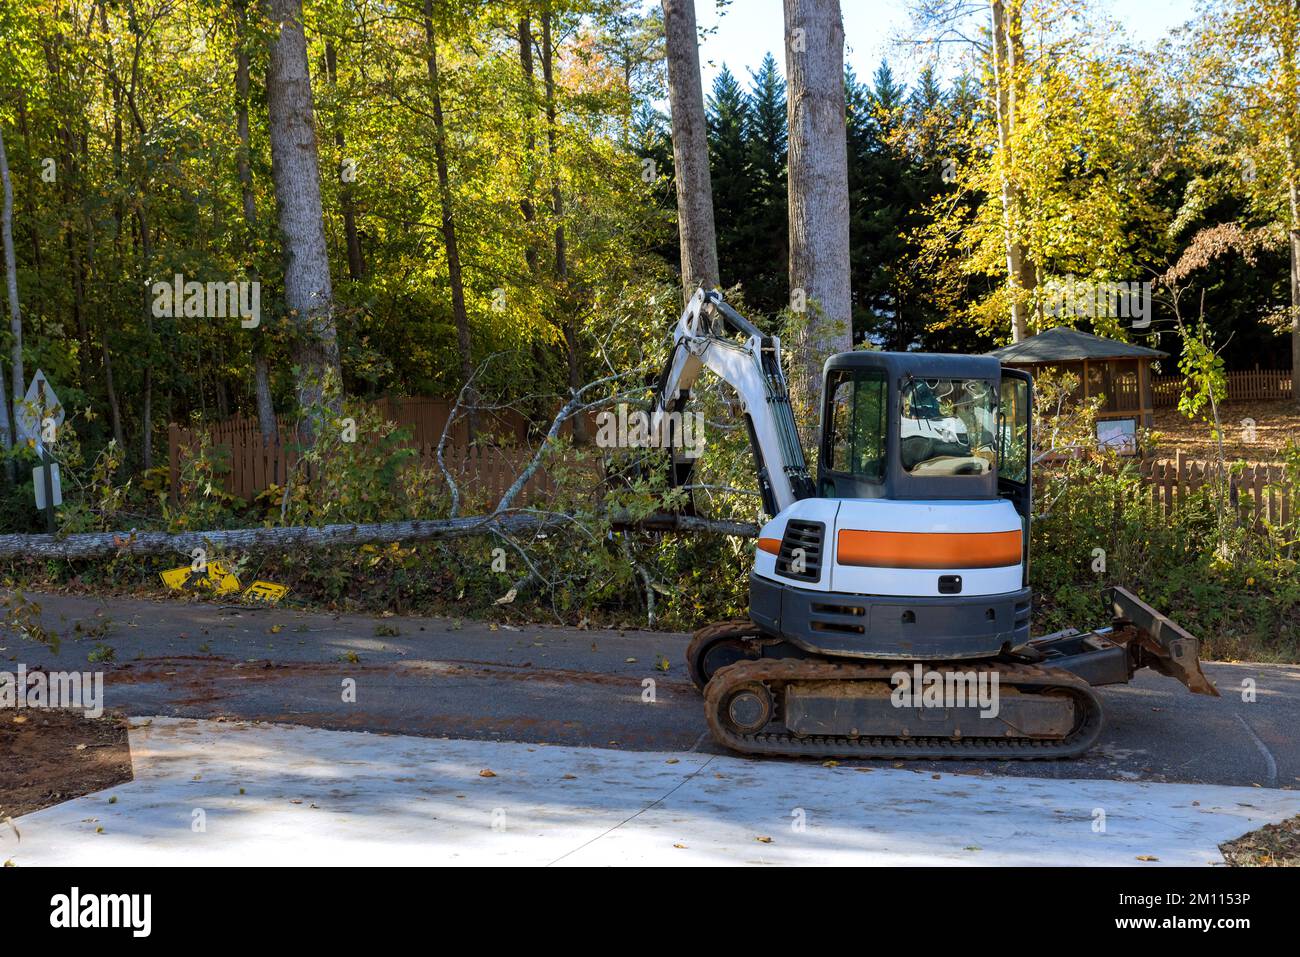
[176, 578]
[268, 592]
[215, 578]
[218, 579]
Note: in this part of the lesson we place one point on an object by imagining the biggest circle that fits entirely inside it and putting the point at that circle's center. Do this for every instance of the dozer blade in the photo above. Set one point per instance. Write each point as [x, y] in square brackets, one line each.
[1165, 646]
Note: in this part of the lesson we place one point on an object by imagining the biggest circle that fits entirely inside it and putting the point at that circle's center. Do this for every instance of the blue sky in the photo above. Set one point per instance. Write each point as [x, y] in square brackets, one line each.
[746, 29]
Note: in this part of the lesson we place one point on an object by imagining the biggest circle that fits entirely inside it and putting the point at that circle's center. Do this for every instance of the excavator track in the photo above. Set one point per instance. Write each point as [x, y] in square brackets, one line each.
[774, 677]
[737, 638]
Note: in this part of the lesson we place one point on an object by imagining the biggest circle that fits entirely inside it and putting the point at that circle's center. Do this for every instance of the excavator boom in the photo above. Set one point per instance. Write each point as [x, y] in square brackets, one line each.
[705, 338]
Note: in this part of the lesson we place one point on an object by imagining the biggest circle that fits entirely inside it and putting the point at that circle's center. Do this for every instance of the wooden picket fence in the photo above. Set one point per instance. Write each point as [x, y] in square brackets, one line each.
[250, 465]
[1259, 492]
[1243, 385]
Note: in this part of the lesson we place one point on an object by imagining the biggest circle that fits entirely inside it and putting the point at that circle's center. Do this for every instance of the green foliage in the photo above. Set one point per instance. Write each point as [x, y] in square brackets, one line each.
[1207, 382]
[1235, 588]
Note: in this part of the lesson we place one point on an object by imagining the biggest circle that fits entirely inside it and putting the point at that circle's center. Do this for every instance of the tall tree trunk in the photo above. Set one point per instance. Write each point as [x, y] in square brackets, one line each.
[11, 280]
[114, 406]
[1007, 56]
[1291, 94]
[15, 317]
[532, 252]
[295, 170]
[530, 143]
[699, 245]
[1295, 285]
[819, 184]
[146, 409]
[454, 277]
[119, 224]
[261, 369]
[568, 308]
[29, 208]
[356, 266]
[6, 430]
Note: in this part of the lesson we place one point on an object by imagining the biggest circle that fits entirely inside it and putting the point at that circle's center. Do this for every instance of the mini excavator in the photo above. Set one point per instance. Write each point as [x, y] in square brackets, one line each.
[908, 552]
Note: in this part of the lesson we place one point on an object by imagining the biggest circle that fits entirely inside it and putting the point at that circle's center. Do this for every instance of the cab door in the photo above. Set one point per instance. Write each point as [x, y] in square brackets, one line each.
[1015, 447]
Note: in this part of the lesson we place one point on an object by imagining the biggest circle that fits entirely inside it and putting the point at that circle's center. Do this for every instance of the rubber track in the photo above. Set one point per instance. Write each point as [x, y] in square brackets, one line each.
[775, 672]
[736, 628]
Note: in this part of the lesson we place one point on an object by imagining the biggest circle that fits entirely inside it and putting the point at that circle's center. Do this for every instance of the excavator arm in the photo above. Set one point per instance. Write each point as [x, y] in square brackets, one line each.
[706, 337]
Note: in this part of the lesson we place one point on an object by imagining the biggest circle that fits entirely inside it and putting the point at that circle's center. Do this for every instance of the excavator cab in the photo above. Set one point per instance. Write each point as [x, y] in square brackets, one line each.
[924, 427]
[906, 425]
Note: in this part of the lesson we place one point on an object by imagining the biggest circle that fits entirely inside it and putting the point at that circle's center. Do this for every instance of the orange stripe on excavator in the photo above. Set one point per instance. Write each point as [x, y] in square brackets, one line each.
[772, 545]
[928, 549]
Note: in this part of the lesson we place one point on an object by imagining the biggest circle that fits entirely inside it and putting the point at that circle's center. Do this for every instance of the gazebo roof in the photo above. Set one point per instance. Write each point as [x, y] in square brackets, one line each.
[1066, 344]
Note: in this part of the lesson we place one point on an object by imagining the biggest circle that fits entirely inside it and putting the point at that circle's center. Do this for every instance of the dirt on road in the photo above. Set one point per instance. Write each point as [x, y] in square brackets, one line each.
[51, 756]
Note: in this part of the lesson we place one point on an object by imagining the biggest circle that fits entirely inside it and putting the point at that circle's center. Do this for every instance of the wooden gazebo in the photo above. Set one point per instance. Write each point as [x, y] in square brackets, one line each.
[1120, 372]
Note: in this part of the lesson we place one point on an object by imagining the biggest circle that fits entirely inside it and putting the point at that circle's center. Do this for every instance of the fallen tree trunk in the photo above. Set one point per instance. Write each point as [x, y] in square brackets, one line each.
[110, 544]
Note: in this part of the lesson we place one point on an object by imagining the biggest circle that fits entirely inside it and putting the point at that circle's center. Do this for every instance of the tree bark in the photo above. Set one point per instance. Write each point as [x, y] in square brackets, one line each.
[1007, 55]
[1295, 291]
[356, 265]
[819, 184]
[569, 322]
[114, 406]
[146, 406]
[695, 228]
[454, 277]
[266, 421]
[11, 276]
[119, 227]
[6, 430]
[15, 315]
[1291, 142]
[295, 170]
[526, 206]
[110, 544]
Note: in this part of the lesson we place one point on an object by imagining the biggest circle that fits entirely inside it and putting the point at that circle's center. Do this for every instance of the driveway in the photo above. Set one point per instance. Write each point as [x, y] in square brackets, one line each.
[223, 793]
[540, 684]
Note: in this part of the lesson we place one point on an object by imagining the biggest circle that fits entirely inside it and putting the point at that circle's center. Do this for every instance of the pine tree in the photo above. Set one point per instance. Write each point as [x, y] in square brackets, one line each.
[883, 184]
[766, 230]
[727, 115]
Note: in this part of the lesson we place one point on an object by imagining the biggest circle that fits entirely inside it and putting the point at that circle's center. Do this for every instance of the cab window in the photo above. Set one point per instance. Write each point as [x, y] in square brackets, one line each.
[946, 426]
[855, 422]
[1013, 438]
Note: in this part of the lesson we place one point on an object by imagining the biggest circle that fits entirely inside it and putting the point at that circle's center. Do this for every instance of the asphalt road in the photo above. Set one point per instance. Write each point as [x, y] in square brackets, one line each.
[446, 678]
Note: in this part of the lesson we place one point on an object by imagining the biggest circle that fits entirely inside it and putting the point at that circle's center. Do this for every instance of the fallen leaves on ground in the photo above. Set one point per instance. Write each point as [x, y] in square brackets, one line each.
[1273, 845]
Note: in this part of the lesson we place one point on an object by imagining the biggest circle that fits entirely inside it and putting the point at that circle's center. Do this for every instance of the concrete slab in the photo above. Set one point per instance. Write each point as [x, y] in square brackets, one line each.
[212, 793]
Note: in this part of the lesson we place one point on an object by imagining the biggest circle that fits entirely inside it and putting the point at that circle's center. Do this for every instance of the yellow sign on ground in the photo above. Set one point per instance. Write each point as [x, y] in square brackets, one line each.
[176, 578]
[268, 592]
[216, 578]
